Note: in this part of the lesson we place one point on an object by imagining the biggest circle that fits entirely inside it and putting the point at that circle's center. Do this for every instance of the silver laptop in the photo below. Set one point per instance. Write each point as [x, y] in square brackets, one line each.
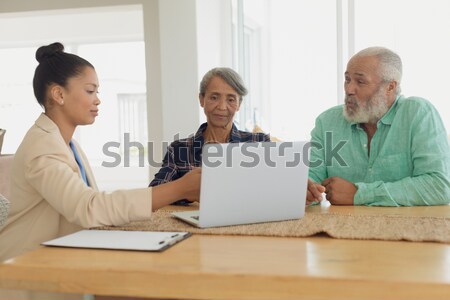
[245, 183]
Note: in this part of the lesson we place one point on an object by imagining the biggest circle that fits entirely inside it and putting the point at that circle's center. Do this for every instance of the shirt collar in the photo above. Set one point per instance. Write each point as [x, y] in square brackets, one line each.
[199, 134]
[389, 116]
[198, 140]
[235, 136]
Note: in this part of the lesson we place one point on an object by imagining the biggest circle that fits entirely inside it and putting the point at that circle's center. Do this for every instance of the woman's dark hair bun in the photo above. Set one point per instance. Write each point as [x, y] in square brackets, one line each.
[55, 66]
[49, 51]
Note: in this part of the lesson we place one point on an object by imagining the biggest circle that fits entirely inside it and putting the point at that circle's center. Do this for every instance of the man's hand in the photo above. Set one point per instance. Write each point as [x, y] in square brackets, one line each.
[339, 191]
[314, 193]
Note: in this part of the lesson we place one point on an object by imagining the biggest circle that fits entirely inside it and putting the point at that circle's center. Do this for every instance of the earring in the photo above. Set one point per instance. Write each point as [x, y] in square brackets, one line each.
[62, 102]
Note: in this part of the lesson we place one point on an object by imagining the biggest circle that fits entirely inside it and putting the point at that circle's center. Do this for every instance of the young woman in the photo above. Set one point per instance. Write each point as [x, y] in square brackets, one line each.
[53, 191]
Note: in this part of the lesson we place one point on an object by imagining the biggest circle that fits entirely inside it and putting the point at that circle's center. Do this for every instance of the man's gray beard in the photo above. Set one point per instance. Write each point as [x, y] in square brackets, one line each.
[374, 110]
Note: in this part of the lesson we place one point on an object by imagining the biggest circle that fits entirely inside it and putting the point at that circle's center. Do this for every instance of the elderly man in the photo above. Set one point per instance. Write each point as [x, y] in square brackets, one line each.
[380, 148]
[221, 94]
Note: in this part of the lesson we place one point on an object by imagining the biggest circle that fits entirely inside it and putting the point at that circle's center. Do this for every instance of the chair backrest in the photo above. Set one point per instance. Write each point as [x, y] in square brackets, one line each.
[5, 174]
[4, 210]
[5, 179]
[2, 134]
[258, 129]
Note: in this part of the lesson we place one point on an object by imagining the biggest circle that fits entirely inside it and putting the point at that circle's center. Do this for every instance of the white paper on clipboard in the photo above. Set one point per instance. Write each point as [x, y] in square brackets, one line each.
[119, 240]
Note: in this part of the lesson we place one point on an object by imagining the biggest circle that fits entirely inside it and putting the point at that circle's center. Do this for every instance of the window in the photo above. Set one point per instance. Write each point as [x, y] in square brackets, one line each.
[291, 73]
[293, 54]
[132, 117]
[121, 70]
[250, 67]
[16, 94]
[418, 33]
[116, 49]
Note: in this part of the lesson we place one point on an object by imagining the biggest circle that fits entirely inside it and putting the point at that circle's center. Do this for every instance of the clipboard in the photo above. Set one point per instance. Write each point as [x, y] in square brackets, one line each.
[120, 240]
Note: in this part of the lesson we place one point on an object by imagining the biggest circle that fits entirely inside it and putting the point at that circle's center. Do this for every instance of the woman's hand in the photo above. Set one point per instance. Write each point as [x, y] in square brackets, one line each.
[190, 185]
[187, 187]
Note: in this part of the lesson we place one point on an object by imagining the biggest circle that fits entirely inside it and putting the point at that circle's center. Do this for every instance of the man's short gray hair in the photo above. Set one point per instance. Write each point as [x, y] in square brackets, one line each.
[390, 64]
[230, 76]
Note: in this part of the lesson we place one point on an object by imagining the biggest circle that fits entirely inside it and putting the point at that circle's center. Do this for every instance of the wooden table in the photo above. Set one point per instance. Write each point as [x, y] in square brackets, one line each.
[243, 267]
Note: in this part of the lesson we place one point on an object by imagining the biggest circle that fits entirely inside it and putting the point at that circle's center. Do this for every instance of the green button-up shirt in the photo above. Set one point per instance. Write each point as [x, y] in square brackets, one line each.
[409, 161]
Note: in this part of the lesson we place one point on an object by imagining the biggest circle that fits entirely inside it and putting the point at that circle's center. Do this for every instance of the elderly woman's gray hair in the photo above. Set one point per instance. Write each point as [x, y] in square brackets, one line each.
[390, 64]
[230, 76]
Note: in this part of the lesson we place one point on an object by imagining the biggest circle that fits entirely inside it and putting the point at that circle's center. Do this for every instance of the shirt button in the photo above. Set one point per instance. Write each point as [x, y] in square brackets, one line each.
[365, 145]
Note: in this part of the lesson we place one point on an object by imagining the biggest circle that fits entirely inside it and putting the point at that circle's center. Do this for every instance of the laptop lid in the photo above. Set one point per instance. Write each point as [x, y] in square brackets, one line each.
[245, 183]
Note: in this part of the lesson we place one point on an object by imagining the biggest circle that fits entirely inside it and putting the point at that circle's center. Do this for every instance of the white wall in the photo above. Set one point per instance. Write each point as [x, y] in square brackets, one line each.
[15, 27]
[302, 65]
[214, 39]
[178, 67]
[152, 52]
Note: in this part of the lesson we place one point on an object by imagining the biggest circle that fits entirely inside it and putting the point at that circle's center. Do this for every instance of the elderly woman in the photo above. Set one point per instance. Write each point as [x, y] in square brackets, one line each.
[221, 94]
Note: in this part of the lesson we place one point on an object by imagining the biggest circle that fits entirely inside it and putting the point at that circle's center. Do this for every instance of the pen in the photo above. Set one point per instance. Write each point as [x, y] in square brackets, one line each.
[171, 240]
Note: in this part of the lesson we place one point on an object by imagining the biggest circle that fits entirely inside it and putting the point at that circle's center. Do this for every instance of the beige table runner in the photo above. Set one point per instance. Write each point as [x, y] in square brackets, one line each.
[345, 226]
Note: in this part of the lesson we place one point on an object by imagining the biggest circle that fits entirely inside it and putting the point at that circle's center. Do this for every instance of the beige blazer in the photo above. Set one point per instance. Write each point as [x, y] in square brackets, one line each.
[50, 199]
